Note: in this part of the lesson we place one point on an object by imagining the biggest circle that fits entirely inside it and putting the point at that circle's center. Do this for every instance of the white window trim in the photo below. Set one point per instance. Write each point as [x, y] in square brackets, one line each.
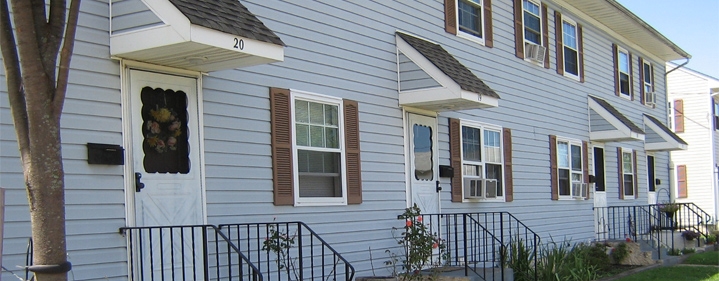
[619, 73]
[651, 77]
[576, 37]
[624, 172]
[482, 127]
[469, 36]
[318, 201]
[571, 142]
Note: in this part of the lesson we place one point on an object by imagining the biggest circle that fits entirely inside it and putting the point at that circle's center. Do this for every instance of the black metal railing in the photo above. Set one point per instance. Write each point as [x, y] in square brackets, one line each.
[660, 224]
[288, 251]
[480, 242]
[191, 252]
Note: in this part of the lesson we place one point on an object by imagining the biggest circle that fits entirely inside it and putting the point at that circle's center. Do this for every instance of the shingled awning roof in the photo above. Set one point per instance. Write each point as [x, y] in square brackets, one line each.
[203, 35]
[431, 78]
[660, 137]
[606, 123]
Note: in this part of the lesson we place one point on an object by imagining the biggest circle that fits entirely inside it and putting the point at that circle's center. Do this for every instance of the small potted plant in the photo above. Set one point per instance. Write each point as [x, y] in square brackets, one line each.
[690, 235]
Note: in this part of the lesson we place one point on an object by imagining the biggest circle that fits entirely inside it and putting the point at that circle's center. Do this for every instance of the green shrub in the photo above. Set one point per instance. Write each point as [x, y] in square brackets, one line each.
[520, 259]
[619, 253]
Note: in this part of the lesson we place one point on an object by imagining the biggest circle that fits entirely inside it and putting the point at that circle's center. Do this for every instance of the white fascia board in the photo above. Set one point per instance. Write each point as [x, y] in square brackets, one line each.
[487, 100]
[615, 135]
[138, 40]
[170, 15]
[228, 42]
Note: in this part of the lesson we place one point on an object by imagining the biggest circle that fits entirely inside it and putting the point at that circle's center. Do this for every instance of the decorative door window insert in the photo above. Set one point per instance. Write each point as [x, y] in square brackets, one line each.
[164, 128]
[423, 158]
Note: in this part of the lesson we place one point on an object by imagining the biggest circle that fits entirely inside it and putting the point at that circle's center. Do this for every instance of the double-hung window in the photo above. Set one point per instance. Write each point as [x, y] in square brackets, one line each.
[623, 70]
[628, 176]
[470, 17]
[532, 22]
[318, 150]
[648, 83]
[715, 106]
[571, 47]
[482, 160]
[569, 167]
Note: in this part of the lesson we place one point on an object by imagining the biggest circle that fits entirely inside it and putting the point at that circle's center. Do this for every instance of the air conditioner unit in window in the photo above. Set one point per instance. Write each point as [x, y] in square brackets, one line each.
[650, 98]
[534, 52]
[480, 188]
[579, 190]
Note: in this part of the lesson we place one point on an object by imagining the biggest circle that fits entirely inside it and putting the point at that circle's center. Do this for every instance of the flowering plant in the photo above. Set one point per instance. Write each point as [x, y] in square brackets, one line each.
[690, 234]
[422, 247]
[279, 242]
[163, 128]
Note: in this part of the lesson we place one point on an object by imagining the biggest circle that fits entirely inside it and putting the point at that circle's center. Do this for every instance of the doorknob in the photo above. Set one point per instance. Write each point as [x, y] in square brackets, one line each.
[138, 184]
[439, 187]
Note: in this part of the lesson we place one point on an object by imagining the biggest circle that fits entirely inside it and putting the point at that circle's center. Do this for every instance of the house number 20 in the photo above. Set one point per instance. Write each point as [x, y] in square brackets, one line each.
[239, 44]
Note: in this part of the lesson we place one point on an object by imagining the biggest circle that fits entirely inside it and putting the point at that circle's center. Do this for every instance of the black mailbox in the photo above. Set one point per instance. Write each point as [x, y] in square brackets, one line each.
[446, 171]
[107, 154]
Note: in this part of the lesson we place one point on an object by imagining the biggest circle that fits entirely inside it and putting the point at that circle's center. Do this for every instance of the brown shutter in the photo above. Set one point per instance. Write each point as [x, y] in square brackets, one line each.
[450, 16]
[553, 167]
[558, 36]
[282, 164]
[682, 181]
[545, 35]
[631, 77]
[616, 69]
[518, 30]
[636, 174]
[488, 36]
[352, 152]
[580, 38]
[585, 165]
[508, 182]
[621, 173]
[641, 80]
[455, 158]
[679, 116]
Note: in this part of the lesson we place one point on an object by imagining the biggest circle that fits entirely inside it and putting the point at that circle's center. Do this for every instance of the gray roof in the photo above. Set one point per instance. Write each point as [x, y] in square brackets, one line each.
[666, 129]
[618, 115]
[449, 65]
[228, 16]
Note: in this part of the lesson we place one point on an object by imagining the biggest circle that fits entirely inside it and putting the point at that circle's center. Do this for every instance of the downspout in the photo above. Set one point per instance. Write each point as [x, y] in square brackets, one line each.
[670, 170]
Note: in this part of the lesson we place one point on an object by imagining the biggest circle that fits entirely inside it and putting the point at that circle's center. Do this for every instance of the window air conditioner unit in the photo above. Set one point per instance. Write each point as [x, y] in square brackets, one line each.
[650, 98]
[579, 190]
[534, 52]
[480, 188]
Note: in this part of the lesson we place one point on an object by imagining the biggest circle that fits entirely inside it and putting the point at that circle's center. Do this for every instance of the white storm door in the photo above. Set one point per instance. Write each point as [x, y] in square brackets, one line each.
[651, 181]
[600, 193]
[166, 149]
[423, 162]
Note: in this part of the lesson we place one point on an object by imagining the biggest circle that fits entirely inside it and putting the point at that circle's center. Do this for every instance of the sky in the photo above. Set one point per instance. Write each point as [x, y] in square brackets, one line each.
[693, 25]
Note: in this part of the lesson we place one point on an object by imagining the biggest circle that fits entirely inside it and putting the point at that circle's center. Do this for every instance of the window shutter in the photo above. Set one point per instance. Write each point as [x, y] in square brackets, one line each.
[455, 158]
[553, 166]
[616, 69]
[545, 35]
[636, 174]
[488, 36]
[580, 39]
[508, 182]
[621, 173]
[682, 181]
[679, 116]
[352, 152]
[518, 30]
[282, 164]
[450, 16]
[558, 36]
[585, 164]
[641, 80]
[631, 77]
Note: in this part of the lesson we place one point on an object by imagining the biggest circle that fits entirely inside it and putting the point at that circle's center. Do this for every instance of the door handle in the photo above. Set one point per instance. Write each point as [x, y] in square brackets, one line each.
[439, 187]
[138, 184]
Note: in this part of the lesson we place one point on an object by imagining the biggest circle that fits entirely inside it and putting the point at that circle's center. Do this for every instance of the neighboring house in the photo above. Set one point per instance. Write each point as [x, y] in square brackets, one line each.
[694, 115]
[342, 114]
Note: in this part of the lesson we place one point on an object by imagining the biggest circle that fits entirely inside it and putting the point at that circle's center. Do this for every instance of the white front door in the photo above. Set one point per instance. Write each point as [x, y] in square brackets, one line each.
[651, 181]
[422, 132]
[600, 193]
[165, 149]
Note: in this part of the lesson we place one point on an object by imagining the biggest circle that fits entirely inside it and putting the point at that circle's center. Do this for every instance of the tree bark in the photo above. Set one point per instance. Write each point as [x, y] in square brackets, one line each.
[36, 98]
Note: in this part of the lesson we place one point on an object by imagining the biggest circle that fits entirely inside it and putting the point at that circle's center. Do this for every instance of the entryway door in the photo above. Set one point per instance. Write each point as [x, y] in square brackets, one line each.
[651, 181]
[600, 193]
[166, 173]
[423, 158]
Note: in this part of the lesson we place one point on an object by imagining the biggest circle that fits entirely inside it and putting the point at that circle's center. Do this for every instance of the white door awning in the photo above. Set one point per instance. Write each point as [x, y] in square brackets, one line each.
[607, 124]
[660, 137]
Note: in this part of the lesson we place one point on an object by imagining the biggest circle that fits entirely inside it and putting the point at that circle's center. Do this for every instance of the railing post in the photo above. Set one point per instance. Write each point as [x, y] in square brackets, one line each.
[464, 241]
[299, 249]
[501, 242]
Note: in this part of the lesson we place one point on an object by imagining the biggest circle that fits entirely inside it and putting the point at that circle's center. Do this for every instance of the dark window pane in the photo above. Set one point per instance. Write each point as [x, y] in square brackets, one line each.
[564, 182]
[624, 83]
[576, 158]
[570, 61]
[495, 172]
[629, 185]
[532, 28]
[471, 144]
[164, 119]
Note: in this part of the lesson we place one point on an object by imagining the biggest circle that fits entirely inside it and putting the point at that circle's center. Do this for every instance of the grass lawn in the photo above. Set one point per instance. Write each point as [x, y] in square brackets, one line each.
[707, 258]
[676, 273]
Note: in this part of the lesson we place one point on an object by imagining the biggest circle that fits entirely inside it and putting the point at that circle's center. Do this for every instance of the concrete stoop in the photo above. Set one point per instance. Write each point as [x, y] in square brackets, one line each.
[454, 274]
